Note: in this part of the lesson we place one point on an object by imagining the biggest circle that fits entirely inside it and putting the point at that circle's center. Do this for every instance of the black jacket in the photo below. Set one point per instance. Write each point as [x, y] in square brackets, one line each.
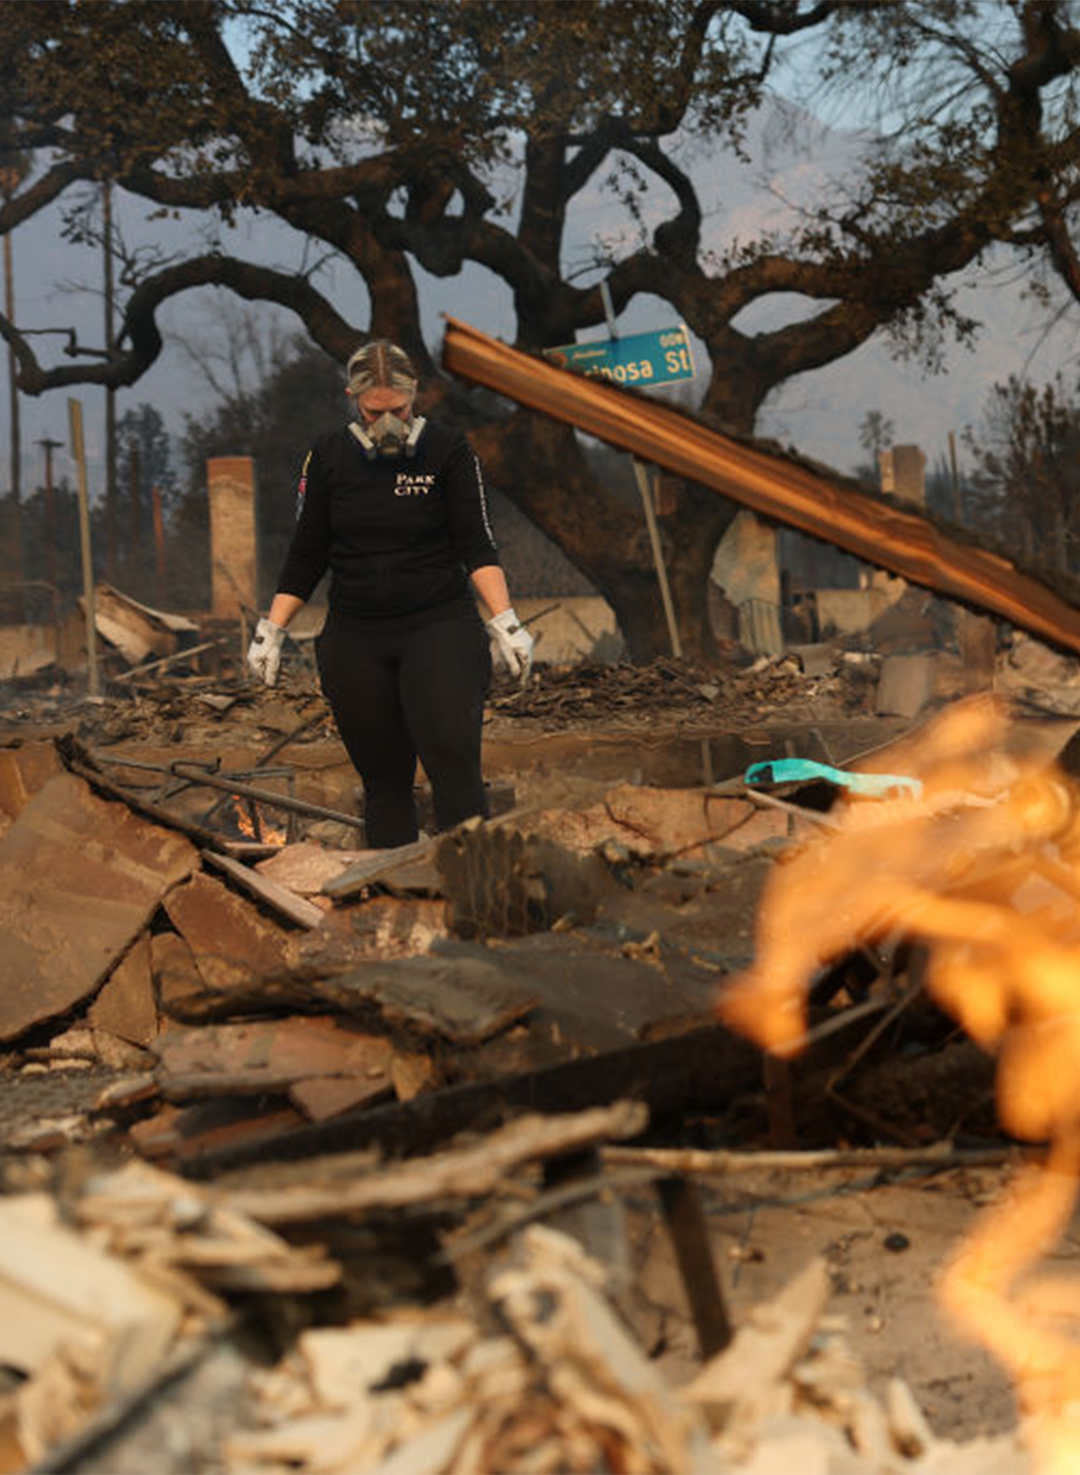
[399, 534]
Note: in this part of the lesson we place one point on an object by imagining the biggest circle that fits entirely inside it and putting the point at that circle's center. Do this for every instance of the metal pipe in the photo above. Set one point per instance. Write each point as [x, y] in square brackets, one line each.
[177, 655]
[642, 478]
[49, 445]
[78, 451]
[263, 796]
[658, 556]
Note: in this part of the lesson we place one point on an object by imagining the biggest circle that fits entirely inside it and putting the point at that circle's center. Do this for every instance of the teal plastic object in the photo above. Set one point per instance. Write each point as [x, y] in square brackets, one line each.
[801, 770]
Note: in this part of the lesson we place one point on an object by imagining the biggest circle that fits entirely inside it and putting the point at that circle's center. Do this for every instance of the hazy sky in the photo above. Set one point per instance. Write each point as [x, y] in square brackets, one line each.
[818, 415]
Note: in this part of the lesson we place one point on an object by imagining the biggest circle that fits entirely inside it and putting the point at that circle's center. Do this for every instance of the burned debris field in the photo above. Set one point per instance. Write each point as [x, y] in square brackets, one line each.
[640, 1127]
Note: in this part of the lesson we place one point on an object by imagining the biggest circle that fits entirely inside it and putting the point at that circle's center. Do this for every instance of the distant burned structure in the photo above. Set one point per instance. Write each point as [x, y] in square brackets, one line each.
[234, 563]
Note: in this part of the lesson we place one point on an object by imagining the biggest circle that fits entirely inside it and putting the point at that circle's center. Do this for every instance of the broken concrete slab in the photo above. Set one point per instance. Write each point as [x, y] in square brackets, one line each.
[79, 880]
[600, 988]
[233, 944]
[711, 919]
[269, 1056]
[23, 771]
[906, 684]
[585, 990]
[463, 993]
[647, 821]
[177, 982]
[329, 1096]
[186, 995]
[126, 1005]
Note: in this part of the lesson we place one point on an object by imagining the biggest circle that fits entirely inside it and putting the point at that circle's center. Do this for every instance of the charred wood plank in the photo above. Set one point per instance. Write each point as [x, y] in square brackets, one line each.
[680, 1201]
[295, 908]
[703, 1068]
[472, 1171]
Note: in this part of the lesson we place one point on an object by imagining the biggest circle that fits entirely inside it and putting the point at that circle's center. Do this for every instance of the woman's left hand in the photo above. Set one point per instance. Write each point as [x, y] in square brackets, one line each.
[513, 643]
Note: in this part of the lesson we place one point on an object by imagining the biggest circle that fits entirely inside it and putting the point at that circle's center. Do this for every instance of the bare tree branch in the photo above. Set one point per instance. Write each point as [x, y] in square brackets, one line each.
[140, 329]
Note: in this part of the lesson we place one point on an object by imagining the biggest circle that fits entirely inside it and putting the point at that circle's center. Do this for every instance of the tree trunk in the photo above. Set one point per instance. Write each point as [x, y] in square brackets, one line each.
[541, 467]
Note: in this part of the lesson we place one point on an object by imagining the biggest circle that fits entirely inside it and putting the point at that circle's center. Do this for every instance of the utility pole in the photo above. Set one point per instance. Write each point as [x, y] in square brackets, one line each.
[159, 539]
[48, 446]
[954, 476]
[12, 170]
[110, 392]
[136, 538]
[78, 451]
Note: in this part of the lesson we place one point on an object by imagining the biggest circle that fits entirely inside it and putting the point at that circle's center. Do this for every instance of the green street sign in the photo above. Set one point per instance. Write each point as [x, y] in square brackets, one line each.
[663, 357]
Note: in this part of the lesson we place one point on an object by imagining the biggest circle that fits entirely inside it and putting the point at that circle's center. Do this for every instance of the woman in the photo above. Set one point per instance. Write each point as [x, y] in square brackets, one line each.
[394, 506]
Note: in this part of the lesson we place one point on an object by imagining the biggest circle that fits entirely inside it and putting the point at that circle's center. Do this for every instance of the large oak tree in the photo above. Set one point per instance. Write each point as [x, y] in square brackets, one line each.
[467, 131]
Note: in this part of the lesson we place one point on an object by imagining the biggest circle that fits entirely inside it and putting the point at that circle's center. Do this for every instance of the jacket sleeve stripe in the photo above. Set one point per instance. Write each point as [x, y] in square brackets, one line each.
[483, 499]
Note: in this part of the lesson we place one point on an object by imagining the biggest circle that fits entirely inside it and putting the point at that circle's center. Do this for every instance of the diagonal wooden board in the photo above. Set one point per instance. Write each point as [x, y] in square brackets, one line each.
[885, 534]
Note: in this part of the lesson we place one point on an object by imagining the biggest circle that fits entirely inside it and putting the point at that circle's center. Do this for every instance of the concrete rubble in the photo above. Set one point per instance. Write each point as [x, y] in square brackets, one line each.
[258, 1082]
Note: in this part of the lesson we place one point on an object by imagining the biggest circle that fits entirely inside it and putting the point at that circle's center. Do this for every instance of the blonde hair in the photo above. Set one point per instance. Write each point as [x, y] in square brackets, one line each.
[380, 364]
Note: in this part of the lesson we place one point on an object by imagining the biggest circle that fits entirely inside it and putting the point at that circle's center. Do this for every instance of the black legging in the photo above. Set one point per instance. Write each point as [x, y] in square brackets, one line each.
[406, 688]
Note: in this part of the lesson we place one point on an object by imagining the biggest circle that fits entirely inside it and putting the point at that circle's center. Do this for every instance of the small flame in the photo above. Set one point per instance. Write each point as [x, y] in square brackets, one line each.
[984, 866]
[250, 820]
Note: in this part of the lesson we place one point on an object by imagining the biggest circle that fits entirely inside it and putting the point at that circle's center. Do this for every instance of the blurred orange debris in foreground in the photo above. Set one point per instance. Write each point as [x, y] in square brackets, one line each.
[983, 868]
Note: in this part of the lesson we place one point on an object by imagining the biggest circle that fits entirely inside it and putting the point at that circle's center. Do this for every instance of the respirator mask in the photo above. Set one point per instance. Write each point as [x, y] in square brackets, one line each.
[389, 435]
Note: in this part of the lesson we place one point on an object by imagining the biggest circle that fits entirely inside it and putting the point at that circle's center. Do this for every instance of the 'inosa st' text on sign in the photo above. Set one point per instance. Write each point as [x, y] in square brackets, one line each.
[663, 357]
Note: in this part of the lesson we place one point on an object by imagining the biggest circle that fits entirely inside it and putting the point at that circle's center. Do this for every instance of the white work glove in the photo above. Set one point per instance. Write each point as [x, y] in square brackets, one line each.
[264, 652]
[513, 643]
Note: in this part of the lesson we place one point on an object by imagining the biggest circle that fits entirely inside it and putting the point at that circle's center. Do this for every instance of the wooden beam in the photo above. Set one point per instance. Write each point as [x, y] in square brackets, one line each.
[686, 1072]
[889, 537]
